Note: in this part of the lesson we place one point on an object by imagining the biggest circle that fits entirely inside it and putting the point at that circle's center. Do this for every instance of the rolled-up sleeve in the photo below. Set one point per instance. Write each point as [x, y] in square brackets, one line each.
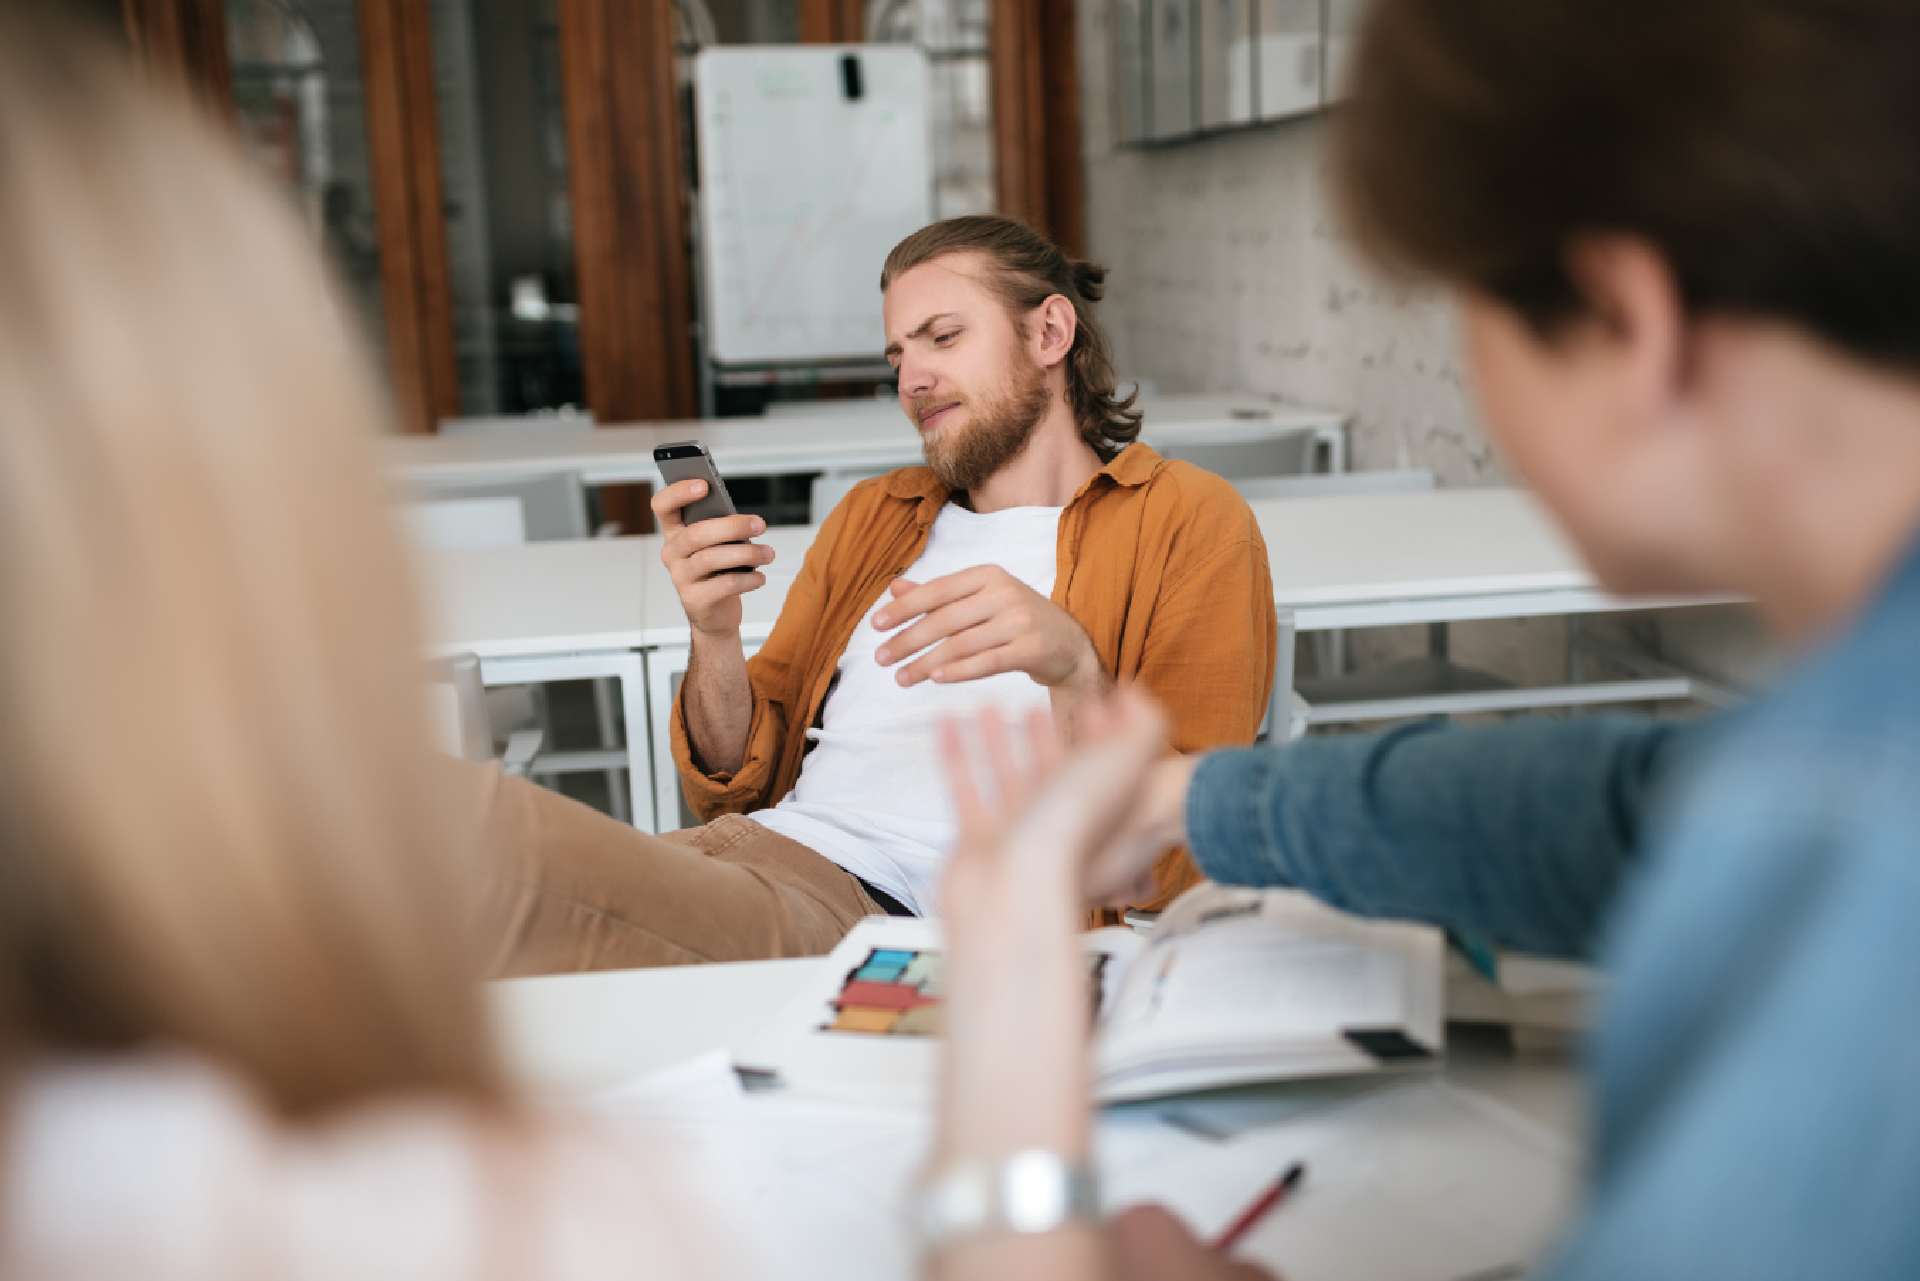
[1209, 660]
[775, 675]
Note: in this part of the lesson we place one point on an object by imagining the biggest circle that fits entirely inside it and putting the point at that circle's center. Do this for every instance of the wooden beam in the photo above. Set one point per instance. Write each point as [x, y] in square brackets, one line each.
[833, 21]
[403, 135]
[185, 40]
[630, 220]
[1035, 69]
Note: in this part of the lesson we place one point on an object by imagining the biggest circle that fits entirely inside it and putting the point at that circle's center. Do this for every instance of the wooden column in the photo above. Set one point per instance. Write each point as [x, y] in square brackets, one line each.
[833, 21]
[1036, 118]
[403, 135]
[630, 231]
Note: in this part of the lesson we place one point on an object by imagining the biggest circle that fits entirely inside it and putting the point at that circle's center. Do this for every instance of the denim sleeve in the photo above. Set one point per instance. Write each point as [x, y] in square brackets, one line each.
[1520, 832]
[1755, 1068]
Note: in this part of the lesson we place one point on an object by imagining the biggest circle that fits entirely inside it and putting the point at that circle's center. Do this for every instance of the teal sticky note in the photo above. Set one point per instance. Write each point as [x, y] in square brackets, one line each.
[896, 957]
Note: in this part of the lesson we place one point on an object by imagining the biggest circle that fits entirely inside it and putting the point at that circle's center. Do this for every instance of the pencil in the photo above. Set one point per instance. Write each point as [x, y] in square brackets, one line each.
[1261, 1207]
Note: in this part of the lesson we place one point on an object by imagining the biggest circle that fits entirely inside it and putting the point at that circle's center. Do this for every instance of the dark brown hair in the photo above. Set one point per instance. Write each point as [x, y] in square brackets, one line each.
[1027, 270]
[1770, 149]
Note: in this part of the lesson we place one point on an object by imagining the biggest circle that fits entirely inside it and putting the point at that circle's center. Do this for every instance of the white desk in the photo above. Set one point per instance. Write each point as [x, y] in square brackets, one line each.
[1441, 557]
[554, 611]
[606, 607]
[869, 438]
[568, 1036]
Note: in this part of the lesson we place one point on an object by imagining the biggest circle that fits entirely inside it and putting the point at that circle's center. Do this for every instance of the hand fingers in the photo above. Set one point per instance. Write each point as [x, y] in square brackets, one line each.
[1004, 769]
[713, 560]
[702, 534]
[708, 592]
[1045, 747]
[1091, 795]
[1150, 1242]
[970, 810]
[668, 501]
[936, 626]
[910, 600]
[993, 635]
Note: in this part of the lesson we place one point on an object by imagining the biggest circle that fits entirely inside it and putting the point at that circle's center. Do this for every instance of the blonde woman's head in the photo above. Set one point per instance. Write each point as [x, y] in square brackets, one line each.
[215, 830]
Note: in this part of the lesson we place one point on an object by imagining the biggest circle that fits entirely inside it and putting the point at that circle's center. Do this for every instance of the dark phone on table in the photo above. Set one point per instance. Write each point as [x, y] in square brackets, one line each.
[687, 460]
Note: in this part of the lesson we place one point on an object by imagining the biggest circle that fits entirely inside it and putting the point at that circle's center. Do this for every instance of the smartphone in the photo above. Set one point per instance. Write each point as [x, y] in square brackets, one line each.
[687, 460]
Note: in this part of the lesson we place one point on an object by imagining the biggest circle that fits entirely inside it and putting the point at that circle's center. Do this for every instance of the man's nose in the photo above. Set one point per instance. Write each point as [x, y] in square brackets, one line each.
[916, 379]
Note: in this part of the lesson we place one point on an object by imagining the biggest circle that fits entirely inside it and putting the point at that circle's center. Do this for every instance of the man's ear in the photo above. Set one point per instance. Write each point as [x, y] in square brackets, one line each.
[1051, 330]
[1635, 311]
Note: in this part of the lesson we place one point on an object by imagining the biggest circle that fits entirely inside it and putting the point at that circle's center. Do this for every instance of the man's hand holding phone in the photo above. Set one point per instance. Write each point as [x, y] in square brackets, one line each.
[711, 562]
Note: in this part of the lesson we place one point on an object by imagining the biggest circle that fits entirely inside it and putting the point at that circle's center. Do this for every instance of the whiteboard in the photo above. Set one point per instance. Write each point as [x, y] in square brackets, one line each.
[803, 190]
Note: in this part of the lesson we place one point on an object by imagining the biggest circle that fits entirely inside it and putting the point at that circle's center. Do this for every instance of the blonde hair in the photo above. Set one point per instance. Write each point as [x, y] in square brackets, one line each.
[215, 776]
[1026, 269]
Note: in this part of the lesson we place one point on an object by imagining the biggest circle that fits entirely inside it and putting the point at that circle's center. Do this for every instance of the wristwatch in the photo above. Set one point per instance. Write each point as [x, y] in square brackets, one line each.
[1031, 1191]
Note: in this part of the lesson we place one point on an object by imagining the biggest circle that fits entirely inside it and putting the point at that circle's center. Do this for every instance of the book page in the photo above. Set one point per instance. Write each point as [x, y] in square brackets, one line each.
[1250, 975]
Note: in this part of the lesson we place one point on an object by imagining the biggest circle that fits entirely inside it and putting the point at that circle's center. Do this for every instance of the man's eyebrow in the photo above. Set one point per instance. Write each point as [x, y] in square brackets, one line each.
[893, 348]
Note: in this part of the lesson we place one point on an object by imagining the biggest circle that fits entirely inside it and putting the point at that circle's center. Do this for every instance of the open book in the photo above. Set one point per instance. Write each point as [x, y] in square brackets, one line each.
[1230, 986]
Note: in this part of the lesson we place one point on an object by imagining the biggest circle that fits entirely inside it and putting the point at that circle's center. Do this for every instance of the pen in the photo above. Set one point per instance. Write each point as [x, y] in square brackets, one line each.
[1261, 1206]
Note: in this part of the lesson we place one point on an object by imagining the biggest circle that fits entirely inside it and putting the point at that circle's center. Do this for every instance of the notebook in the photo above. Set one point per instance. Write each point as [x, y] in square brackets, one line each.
[1230, 986]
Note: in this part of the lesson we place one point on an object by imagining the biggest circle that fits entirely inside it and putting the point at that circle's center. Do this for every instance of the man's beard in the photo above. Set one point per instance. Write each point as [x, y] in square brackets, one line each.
[965, 459]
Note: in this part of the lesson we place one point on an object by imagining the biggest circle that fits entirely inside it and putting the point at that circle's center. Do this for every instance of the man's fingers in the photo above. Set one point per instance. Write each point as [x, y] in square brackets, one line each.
[711, 591]
[994, 634]
[991, 661]
[911, 600]
[709, 561]
[948, 620]
[669, 499]
[703, 534]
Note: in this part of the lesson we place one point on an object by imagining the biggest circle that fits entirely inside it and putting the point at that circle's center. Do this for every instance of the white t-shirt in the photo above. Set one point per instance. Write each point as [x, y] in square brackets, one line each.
[871, 795]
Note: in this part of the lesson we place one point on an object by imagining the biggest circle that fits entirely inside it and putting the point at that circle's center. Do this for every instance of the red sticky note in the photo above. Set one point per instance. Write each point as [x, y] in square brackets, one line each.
[879, 996]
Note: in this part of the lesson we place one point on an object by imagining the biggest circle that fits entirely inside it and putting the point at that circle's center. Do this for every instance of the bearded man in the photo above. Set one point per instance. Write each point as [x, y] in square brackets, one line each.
[1040, 555]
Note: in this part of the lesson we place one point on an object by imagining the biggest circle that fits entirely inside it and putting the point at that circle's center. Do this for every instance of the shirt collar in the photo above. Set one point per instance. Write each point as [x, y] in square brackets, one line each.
[1129, 469]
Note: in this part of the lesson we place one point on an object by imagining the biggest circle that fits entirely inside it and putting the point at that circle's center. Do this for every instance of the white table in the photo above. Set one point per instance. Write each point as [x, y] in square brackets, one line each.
[555, 611]
[606, 607]
[565, 1037]
[869, 438]
[1443, 557]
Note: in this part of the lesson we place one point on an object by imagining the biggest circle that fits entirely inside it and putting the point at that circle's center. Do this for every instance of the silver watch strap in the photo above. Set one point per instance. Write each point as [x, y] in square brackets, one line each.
[1030, 1191]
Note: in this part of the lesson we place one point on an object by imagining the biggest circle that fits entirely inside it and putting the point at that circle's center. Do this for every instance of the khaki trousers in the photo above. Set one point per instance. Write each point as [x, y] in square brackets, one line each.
[571, 889]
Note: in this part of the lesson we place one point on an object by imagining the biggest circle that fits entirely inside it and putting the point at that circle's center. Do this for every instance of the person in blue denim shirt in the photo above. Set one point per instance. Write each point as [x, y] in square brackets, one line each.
[1686, 244]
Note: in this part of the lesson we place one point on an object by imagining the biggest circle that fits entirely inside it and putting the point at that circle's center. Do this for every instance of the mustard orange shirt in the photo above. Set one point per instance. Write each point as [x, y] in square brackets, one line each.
[1159, 561]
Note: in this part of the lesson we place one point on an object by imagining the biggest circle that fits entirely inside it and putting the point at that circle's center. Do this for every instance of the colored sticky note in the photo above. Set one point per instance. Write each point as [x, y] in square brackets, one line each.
[922, 1020]
[858, 1019]
[877, 974]
[879, 996]
[890, 956]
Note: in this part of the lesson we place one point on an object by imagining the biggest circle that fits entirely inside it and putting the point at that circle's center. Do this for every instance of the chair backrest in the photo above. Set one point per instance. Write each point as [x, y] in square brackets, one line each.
[457, 703]
[552, 506]
[1336, 484]
[829, 488]
[1284, 453]
[465, 524]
